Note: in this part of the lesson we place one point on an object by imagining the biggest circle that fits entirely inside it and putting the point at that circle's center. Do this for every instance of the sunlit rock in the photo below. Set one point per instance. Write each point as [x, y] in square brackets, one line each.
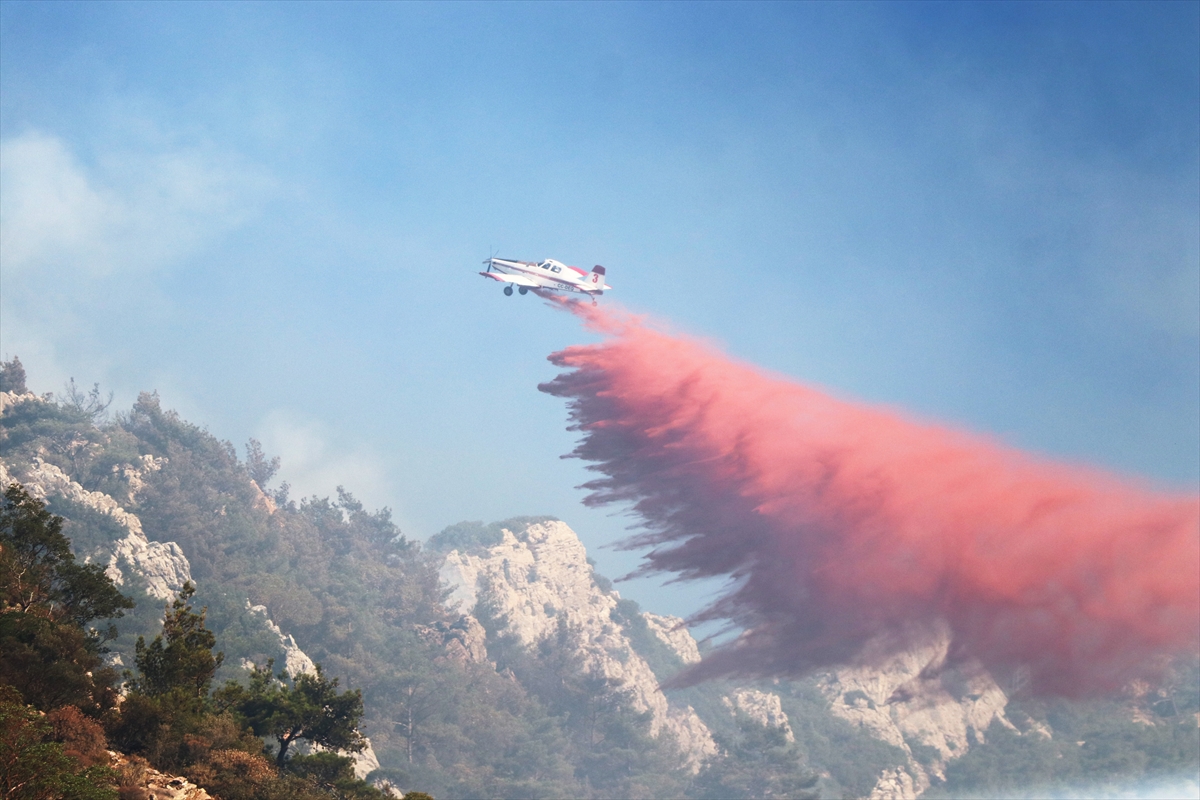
[764, 708]
[539, 577]
[162, 564]
[913, 698]
[896, 784]
[464, 641]
[671, 631]
[296, 661]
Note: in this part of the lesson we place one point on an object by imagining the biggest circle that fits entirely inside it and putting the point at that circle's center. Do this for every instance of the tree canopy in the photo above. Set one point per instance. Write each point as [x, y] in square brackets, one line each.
[38, 571]
[46, 602]
[12, 376]
[181, 657]
[35, 767]
[309, 709]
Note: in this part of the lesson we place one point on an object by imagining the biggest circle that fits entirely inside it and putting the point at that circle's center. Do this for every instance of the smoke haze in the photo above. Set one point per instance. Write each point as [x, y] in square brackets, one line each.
[847, 529]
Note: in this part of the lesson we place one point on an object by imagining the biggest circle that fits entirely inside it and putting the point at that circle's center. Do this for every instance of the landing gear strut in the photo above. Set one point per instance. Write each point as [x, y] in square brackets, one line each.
[508, 290]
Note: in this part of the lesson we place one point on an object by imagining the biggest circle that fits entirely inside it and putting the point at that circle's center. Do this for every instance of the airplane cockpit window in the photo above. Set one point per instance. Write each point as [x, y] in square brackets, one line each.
[545, 265]
[556, 269]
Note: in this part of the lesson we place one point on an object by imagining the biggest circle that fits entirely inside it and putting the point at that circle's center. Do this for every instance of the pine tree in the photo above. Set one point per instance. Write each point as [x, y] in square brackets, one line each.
[48, 650]
[311, 708]
[181, 657]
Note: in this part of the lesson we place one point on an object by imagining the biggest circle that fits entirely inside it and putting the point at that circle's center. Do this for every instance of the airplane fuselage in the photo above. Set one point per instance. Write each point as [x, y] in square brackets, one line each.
[548, 275]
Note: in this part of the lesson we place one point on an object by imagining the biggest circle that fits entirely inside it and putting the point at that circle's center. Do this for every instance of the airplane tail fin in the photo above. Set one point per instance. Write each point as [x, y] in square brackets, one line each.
[596, 278]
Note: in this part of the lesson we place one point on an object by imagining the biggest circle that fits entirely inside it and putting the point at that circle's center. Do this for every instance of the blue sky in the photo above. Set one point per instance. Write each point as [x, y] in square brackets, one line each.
[272, 214]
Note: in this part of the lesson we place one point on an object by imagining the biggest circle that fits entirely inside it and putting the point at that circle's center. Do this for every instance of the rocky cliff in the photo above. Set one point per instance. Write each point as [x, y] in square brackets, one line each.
[914, 701]
[539, 575]
[672, 632]
[765, 708]
[162, 565]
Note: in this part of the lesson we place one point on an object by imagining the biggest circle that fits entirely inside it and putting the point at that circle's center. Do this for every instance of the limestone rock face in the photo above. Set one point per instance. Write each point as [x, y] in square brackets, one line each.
[162, 564]
[764, 708]
[12, 398]
[6, 477]
[263, 500]
[465, 640]
[296, 661]
[674, 635]
[136, 772]
[538, 576]
[896, 784]
[911, 698]
[135, 474]
[693, 736]
[42, 480]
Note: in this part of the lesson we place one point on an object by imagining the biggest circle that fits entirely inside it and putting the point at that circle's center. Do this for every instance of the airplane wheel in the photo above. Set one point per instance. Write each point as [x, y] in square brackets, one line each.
[508, 290]
[524, 290]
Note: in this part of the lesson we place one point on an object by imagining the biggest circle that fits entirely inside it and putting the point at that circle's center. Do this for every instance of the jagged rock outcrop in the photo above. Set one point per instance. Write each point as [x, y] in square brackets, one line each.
[162, 564]
[464, 640]
[262, 499]
[913, 698]
[538, 576]
[365, 762]
[296, 661]
[135, 773]
[694, 738]
[764, 708]
[134, 475]
[896, 784]
[8, 399]
[672, 632]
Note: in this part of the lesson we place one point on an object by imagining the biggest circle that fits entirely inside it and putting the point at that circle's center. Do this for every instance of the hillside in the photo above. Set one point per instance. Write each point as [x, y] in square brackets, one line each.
[494, 661]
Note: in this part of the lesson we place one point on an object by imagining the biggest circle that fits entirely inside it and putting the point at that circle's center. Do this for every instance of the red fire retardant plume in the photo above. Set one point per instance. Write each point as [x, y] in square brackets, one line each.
[844, 525]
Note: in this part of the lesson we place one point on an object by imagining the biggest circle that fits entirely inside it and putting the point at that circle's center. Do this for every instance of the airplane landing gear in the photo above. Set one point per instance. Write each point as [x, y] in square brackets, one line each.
[508, 291]
[524, 290]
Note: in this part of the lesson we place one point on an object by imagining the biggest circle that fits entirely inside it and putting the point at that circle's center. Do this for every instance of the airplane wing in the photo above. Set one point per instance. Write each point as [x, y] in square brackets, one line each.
[506, 278]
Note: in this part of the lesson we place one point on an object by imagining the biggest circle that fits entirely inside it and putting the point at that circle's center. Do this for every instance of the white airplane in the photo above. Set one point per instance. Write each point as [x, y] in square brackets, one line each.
[549, 274]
